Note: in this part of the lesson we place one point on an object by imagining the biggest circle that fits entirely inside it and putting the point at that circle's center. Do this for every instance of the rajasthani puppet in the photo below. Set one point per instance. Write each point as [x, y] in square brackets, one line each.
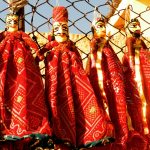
[23, 111]
[76, 116]
[136, 62]
[106, 76]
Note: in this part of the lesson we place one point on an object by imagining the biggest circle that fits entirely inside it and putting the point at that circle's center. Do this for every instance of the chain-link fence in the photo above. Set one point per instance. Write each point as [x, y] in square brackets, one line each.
[38, 21]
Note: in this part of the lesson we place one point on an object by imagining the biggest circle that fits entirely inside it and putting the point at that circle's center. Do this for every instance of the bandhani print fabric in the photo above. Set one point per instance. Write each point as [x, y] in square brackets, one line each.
[76, 115]
[106, 76]
[23, 111]
[145, 73]
[136, 71]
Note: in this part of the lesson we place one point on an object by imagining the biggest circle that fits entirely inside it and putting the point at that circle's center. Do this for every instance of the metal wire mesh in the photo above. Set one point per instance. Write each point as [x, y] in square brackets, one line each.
[38, 21]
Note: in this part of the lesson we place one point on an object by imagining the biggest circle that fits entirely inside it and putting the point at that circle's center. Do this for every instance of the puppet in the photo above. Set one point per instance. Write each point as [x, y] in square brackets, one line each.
[23, 111]
[136, 69]
[106, 76]
[76, 116]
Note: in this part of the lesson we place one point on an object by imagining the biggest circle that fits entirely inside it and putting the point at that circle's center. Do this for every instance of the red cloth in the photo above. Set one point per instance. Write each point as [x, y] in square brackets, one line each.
[134, 104]
[15, 145]
[60, 14]
[76, 114]
[136, 141]
[113, 86]
[145, 69]
[134, 101]
[22, 104]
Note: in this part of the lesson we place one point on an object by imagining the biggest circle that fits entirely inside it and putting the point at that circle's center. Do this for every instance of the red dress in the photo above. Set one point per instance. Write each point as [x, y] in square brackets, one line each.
[106, 76]
[23, 111]
[137, 82]
[76, 115]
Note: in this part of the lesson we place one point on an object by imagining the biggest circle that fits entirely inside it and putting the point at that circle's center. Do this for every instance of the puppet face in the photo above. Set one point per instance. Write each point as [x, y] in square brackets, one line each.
[99, 29]
[134, 27]
[12, 22]
[60, 31]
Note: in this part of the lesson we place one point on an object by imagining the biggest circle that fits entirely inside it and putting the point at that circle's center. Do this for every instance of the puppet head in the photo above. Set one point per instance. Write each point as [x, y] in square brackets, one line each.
[134, 27]
[12, 22]
[99, 28]
[60, 24]
[98, 25]
[12, 19]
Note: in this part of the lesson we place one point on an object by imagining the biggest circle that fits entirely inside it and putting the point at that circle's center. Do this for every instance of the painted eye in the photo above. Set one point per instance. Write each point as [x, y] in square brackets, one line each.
[12, 21]
[15, 21]
[56, 29]
[100, 26]
[65, 28]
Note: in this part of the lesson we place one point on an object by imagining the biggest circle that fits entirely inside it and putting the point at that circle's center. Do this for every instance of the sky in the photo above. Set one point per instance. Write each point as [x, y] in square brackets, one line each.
[80, 14]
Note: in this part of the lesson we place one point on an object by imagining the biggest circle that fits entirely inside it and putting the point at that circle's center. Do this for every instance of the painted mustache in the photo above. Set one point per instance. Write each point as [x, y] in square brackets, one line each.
[60, 34]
